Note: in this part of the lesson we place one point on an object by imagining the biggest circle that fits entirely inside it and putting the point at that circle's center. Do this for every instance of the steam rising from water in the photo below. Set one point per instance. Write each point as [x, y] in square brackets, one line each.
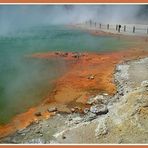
[15, 17]
[25, 29]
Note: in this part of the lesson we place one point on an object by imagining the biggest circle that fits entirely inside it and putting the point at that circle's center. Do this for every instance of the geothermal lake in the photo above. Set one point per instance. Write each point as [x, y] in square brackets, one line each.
[24, 81]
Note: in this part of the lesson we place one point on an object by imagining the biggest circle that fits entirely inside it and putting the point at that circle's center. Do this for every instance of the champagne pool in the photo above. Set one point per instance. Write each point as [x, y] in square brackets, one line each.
[25, 81]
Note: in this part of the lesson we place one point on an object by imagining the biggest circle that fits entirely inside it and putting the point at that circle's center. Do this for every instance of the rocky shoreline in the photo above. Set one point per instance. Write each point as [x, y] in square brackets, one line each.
[121, 118]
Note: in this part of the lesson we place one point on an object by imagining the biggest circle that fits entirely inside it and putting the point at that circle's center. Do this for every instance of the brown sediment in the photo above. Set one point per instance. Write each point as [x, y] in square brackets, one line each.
[89, 74]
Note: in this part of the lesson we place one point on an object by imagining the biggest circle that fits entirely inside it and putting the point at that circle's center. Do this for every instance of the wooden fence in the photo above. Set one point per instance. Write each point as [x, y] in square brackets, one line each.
[129, 28]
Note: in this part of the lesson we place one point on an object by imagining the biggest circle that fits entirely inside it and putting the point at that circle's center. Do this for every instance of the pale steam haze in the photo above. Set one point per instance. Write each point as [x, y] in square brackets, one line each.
[14, 17]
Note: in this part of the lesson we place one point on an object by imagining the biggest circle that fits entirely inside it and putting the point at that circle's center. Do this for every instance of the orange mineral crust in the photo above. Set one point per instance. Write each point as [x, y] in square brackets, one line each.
[88, 74]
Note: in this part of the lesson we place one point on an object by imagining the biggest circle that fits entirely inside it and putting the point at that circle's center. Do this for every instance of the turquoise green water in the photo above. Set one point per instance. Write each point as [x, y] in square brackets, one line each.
[24, 82]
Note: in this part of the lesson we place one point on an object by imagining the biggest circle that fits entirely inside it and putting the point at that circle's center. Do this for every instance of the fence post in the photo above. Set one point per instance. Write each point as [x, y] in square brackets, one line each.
[116, 27]
[108, 26]
[95, 24]
[124, 28]
[100, 26]
[134, 29]
[90, 23]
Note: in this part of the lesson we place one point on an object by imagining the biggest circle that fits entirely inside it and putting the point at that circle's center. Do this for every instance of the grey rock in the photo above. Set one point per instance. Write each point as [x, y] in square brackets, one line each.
[14, 141]
[21, 131]
[75, 55]
[63, 136]
[77, 120]
[89, 117]
[52, 109]
[102, 129]
[38, 132]
[72, 110]
[105, 94]
[23, 134]
[36, 141]
[70, 119]
[41, 135]
[38, 114]
[99, 109]
[86, 110]
[91, 77]
[90, 101]
[144, 83]
[96, 100]
[121, 93]
[77, 108]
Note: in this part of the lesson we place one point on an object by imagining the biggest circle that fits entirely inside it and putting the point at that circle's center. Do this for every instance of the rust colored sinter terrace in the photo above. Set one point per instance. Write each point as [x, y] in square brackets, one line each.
[89, 74]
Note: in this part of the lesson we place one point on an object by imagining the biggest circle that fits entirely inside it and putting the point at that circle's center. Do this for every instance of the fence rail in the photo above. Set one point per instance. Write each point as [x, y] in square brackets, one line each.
[119, 28]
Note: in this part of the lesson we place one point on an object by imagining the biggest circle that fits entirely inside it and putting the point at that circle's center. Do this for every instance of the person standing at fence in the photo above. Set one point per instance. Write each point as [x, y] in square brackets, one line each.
[119, 28]
[100, 26]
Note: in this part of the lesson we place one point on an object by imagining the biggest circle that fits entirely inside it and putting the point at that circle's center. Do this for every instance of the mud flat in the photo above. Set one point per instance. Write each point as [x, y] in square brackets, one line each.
[121, 118]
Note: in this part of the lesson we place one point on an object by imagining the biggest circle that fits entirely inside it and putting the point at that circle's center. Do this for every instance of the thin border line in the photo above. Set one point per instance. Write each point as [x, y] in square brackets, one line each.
[73, 4]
